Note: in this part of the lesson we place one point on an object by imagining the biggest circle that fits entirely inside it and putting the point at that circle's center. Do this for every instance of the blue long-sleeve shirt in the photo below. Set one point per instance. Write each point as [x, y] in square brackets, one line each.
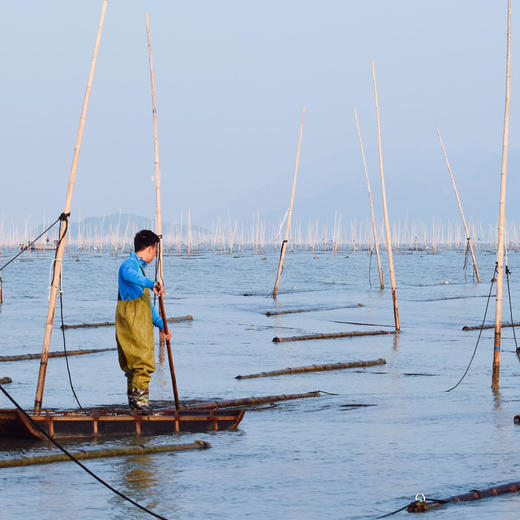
[132, 281]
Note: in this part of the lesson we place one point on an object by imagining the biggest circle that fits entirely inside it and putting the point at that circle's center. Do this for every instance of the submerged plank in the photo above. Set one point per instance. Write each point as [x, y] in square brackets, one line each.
[106, 452]
[331, 335]
[316, 368]
[24, 357]
[189, 317]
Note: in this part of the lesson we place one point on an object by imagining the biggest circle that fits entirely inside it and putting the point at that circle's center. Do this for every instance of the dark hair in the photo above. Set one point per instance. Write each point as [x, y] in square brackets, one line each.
[144, 238]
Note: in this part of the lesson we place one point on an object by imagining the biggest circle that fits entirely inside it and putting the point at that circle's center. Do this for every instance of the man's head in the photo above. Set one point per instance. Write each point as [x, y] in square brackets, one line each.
[145, 244]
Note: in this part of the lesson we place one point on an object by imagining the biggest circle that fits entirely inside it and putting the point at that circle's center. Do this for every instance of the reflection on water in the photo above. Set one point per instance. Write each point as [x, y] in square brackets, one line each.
[330, 457]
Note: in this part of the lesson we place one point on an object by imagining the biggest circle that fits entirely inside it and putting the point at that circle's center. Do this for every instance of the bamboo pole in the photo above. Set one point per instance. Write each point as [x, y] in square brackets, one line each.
[374, 228]
[470, 245]
[316, 368]
[252, 401]
[422, 506]
[387, 225]
[5, 380]
[289, 214]
[317, 309]
[188, 317]
[26, 357]
[502, 213]
[103, 453]
[56, 279]
[478, 327]
[332, 335]
[158, 223]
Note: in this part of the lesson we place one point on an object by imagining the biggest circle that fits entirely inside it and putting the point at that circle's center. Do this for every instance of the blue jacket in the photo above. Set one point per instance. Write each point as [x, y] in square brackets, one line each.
[131, 282]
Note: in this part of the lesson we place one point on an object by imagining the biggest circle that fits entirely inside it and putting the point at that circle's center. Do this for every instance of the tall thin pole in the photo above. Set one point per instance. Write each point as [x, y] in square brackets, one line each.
[470, 245]
[502, 213]
[374, 227]
[383, 191]
[158, 222]
[56, 279]
[158, 216]
[289, 215]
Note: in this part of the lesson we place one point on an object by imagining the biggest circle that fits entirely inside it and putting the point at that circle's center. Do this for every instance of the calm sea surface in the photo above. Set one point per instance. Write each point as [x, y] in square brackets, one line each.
[308, 459]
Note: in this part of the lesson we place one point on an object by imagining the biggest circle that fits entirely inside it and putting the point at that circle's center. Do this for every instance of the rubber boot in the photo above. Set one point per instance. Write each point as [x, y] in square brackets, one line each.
[140, 400]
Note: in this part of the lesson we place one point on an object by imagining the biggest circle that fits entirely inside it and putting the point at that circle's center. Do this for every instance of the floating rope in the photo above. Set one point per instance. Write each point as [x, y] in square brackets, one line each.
[74, 459]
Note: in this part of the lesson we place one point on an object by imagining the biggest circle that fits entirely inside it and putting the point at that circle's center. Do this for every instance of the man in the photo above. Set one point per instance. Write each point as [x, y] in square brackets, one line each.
[135, 318]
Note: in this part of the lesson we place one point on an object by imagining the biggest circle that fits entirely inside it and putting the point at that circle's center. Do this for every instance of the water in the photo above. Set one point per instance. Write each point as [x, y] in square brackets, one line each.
[307, 459]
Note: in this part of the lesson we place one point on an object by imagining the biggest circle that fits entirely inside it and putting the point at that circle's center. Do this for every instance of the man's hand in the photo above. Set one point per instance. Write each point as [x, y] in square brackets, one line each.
[158, 289]
[166, 337]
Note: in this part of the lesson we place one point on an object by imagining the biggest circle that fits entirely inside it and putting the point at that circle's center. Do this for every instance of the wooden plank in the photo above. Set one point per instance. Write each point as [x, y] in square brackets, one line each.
[332, 335]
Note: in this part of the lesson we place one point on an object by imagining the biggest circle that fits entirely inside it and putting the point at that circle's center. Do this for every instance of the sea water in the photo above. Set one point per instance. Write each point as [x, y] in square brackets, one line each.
[307, 459]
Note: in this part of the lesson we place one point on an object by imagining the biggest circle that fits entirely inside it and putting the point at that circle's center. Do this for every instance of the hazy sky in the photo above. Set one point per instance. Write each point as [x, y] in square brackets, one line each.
[231, 78]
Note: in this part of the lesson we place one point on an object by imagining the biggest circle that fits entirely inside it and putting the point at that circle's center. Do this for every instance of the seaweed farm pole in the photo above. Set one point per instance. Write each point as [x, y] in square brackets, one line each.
[387, 226]
[374, 228]
[470, 245]
[60, 250]
[158, 223]
[502, 213]
[289, 214]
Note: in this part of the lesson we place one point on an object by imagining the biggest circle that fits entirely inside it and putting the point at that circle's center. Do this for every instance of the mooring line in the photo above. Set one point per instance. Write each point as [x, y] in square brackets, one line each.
[74, 459]
[479, 334]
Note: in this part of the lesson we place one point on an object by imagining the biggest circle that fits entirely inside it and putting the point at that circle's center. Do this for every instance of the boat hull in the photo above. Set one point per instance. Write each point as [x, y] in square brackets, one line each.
[93, 424]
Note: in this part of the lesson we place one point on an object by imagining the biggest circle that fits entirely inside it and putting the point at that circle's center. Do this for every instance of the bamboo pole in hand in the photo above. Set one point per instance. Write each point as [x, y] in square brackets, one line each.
[374, 228]
[56, 279]
[170, 355]
[470, 245]
[502, 213]
[158, 223]
[289, 215]
[383, 191]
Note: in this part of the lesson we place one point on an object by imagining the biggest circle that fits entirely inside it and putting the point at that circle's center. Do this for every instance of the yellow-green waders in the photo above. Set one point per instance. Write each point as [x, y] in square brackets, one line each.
[135, 346]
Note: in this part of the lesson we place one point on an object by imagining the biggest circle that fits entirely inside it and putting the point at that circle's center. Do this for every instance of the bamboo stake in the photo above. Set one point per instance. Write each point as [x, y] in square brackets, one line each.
[25, 357]
[189, 317]
[252, 401]
[106, 452]
[470, 245]
[289, 215]
[387, 225]
[333, 335]
[63, 227]
[502, 213]
[158, 218]
[158, 223]
[316, 368]
[374, 229]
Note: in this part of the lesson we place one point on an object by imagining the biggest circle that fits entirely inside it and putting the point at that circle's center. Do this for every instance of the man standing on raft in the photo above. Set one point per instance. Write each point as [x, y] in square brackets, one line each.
[135, 318]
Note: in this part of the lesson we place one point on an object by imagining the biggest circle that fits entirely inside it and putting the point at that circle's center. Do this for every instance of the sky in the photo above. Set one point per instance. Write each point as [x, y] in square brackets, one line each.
[231, 80]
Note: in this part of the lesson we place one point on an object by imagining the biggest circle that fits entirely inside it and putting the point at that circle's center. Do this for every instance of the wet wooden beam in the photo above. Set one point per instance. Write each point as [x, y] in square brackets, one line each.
[331, 335]
[5, 380]
[316, 368]
[421, 506]
[106, 452]
[252, 401]
[316, 309]
[189, 317]
[478, 327]
[24, 357]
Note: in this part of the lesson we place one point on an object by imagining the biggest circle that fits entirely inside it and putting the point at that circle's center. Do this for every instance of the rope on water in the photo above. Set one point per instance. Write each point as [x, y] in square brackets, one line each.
[74, 459]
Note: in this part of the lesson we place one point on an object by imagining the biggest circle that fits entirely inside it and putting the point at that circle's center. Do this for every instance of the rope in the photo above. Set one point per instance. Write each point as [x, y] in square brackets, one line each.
[480, 332]
[74, 459]
[370, 268]
[508, 272]
[23, 249]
